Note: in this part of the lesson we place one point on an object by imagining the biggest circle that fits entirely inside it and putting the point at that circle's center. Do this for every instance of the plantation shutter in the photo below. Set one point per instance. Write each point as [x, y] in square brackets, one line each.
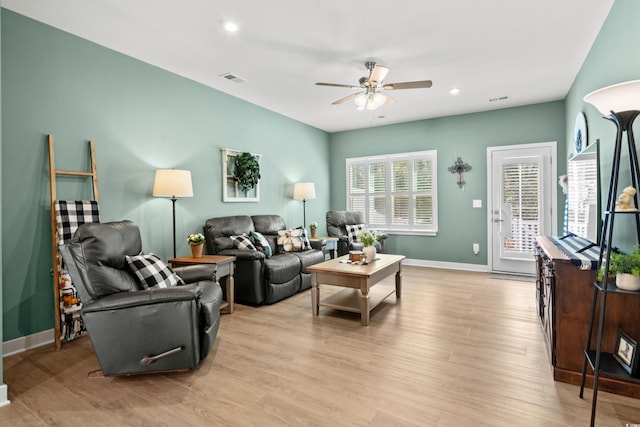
[357, 187]
[377, 192]
[423, 192]
[396, 192]
[521, 183]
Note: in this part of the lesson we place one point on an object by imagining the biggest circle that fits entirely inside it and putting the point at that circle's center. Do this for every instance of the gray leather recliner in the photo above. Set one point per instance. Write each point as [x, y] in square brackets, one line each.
[134, 330]
[336, 227]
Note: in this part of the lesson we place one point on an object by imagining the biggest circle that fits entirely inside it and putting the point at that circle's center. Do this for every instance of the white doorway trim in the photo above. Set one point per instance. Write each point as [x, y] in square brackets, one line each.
[553, 145]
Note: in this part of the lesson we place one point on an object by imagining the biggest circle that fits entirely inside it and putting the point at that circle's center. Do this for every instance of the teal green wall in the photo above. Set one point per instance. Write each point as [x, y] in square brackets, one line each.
[613, 58]
[141, 118]
[466, 136]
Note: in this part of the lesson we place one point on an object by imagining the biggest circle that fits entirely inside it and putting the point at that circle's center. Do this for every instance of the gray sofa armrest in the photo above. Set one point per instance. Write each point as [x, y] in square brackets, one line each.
[197, 272]
[126, 300]
[318, 244]
[243, 254]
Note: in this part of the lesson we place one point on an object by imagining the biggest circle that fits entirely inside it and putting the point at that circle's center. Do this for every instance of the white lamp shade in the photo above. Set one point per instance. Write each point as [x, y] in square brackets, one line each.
[304, 191]
[172, 183]
[617, 98]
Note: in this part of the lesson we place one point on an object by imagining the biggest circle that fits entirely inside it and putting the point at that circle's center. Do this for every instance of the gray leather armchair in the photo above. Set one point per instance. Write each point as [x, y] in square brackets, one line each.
[136, 330]
[336, 227]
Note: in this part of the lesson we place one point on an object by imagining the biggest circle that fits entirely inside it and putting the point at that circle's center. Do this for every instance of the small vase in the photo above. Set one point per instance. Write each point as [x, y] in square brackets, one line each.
[369, 253]
[314, 233]
[196, 251]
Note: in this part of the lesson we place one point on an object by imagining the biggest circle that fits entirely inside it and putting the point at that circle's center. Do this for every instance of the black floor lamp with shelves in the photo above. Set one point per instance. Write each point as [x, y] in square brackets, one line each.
[620, 104]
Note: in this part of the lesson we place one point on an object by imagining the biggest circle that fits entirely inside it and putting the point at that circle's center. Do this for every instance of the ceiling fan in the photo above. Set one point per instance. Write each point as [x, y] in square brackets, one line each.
[373, 97]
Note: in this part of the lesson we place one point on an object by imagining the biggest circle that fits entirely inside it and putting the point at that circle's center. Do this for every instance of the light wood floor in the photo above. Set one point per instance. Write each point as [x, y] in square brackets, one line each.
[459, 349]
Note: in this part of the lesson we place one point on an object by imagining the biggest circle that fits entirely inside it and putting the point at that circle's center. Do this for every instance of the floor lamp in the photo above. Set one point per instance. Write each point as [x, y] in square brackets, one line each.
[620, 104]
[173, 183]
[304, 191]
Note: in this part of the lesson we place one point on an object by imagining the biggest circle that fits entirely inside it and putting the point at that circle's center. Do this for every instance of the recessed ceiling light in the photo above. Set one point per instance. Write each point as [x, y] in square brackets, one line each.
[230, 27]
[454, 91]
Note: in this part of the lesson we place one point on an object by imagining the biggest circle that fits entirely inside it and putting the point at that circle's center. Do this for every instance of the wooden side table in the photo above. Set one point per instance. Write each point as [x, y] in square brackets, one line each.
[225, 266]
[331, 247]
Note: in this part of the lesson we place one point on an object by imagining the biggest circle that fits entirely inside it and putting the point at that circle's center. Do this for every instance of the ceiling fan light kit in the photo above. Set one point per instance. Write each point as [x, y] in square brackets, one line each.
[369, 101]
[373, 96]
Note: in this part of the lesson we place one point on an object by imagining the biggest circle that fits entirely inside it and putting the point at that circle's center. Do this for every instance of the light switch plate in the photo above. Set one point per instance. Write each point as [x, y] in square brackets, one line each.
[477, 203]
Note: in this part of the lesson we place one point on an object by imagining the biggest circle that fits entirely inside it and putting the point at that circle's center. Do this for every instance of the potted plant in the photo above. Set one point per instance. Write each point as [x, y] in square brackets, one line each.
[196, 242]
[246, 171]
[368, 239]
[313, 226]
[625, 268]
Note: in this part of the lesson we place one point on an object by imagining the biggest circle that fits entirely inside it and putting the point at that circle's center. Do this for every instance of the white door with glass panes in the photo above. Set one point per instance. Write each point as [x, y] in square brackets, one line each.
[521, 194]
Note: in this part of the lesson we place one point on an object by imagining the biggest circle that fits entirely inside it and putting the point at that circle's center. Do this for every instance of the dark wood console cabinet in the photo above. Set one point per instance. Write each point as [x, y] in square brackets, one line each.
[564, 294]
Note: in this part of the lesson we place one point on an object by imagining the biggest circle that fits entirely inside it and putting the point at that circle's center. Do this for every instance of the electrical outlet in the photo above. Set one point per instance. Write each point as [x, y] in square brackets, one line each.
[476, 248]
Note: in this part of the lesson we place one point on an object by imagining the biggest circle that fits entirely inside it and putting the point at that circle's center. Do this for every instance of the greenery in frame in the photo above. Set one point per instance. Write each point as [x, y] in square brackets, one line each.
[246, 171]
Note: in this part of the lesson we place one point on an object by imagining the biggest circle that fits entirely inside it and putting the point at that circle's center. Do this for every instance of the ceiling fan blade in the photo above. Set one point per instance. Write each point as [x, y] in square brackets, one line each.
[408, 85]
[378, 74]
[389, 100]
[345, 99]
[337, 85]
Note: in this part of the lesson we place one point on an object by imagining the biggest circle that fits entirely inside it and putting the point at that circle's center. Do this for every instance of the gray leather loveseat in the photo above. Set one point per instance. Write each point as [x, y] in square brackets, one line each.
[261, 277]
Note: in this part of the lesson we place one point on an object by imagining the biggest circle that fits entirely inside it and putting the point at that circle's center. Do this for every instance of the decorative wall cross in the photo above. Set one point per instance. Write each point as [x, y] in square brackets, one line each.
[460, 167]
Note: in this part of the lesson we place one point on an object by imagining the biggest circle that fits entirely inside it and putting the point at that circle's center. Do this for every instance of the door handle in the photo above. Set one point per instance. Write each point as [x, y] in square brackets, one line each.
[498, 220]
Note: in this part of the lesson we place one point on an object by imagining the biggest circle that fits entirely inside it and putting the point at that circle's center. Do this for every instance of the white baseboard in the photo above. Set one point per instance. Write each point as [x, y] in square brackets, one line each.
[446, 265]
[21, 344]
[4, 400]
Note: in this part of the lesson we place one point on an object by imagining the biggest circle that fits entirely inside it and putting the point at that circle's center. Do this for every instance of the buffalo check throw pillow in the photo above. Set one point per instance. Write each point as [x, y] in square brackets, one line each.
[354, 230]
[151, 272]
[243, 242]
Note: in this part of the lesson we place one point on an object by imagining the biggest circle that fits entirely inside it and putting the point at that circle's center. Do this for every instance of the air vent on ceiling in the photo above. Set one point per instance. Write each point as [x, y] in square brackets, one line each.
[232, 77]
[502, 98]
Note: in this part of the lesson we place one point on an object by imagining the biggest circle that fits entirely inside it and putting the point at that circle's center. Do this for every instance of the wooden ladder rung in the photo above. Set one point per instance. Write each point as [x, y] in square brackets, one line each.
[87, 174]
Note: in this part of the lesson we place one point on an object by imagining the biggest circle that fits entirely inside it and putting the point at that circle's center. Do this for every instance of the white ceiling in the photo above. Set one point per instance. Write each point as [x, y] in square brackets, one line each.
[527, 50]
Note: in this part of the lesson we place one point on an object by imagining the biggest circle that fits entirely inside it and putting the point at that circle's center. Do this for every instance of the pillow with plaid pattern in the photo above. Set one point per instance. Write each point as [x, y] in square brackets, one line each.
[243, 242]
[261, 243]
[151, 272]
[354, 230]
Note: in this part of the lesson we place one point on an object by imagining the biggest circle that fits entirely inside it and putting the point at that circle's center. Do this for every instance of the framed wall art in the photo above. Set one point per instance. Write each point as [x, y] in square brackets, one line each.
[240, 176]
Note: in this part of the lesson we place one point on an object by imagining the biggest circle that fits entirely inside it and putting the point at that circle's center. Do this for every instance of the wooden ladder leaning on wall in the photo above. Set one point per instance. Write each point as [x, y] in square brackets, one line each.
[53, 173]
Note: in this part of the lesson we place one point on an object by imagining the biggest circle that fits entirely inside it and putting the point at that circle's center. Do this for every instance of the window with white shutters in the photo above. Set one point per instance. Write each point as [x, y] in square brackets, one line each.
[521, 183]
[396, 192]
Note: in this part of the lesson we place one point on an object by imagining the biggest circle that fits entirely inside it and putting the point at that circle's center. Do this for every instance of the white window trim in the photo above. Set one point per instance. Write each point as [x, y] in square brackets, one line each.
[413, 230]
